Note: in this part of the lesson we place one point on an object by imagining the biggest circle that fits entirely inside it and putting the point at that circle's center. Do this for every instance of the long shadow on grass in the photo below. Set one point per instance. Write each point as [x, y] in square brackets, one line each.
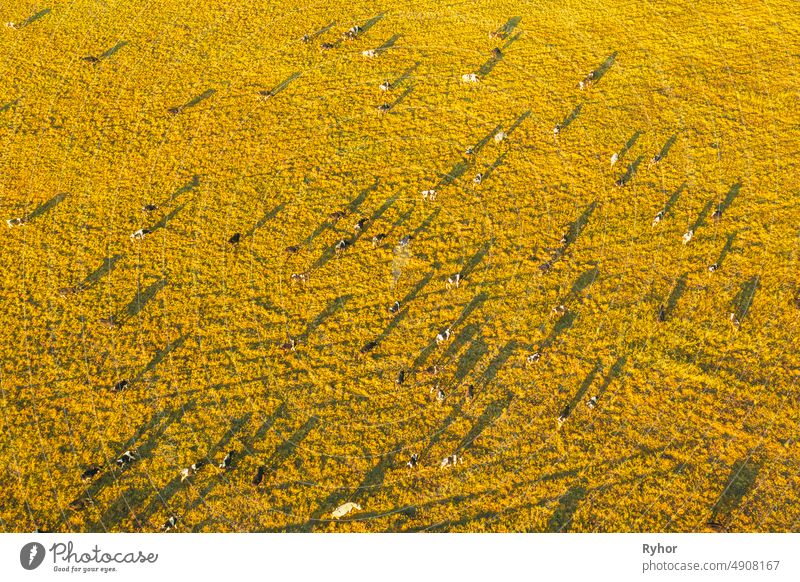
[744, 299]
[46, 207]
[143, 297]
[740, 481]
[104, 269]
[675, 295]
[113, 50]
[561, 520]
[263, 220]
[673, 199]
[493, 411]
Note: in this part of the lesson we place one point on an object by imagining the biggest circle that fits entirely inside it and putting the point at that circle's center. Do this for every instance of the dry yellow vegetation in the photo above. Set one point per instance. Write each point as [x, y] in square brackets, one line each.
[227, 120]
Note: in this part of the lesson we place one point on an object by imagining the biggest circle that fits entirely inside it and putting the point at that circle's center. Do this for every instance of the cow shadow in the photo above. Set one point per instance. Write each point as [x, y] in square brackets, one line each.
[568, 503]
[46, 207]
[629, 144]
[675, 295]
[104, 269]
[113, 50]
[744, 298]
[630, 172]
[741, 480]
[264, 219]
[143, 297]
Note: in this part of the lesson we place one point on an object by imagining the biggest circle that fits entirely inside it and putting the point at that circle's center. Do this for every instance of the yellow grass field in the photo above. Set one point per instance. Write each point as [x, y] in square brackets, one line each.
[695, 373]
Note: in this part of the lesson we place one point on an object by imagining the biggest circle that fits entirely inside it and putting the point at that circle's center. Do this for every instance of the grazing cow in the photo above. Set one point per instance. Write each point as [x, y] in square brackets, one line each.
[717, 214]
[378, 239]
[557, 129]
[140, 234]
[688, 236]
[477, 179]
[562, 418]
[712, 268]
[662, 313]
[235, 238]
[289, 346]
[470, 392]
[469, 78]
[386, 86]
[619, 183]
[429, 195]
[12, 25]
[121, 385]
[125, 458]
[443, 336]
[149, 208]
[89, 473]
[359, 226]
[545, 267]
[533, 358]
[453, 281]
[657, 218]
[341, 245]
[301, 277]
[592, 402]
[12, 222]
[257, 478]
[497, 53]
[401, 377]
[440, 395]
[67, 291]
[337, 215]
[78, 504]
[196, 466]
[405, 240]
[614, 159]
[344, 509]
[500, 136]
[227, 460]
[352, 34]
[305, 39]
[394, 307]
[655, 159]
[326, 46]
[290, 250]
[559, 310]
[369, 53]
[469, 151]
[413, 461]
[170, 523]
[496, 35]
[734, 320]
[368, 347]
[384, 107]
[186, 473]
[450, 461]
[265, 95]
[431, 370]
[174, 110]
[587, 81]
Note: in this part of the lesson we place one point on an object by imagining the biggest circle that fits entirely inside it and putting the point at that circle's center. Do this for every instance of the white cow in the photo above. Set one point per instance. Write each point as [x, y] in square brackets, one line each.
[470, 78]
[344, 509]
[688, 236]
[450, 461]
